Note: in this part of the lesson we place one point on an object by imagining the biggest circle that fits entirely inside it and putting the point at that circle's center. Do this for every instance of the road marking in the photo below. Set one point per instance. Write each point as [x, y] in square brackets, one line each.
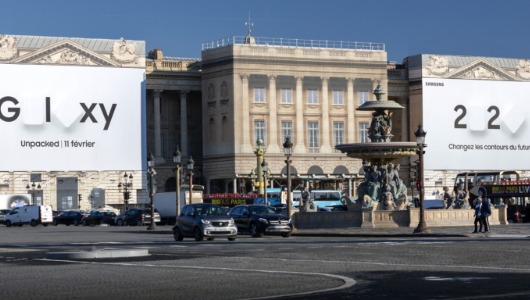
[347, 281]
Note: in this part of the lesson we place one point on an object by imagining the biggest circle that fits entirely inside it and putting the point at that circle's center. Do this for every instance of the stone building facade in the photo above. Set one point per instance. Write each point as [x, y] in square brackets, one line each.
[308, 90]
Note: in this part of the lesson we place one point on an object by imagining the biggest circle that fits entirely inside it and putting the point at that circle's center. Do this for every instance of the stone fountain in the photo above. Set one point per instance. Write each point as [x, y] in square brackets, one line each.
[382, 188]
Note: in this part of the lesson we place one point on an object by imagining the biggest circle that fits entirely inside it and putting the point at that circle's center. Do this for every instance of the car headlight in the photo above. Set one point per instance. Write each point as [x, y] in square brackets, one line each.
[204, 221]
[231, 222]
[263, 220]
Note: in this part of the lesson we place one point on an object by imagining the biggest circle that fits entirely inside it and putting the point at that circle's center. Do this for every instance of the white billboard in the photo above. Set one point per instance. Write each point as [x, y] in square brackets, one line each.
[476, 124]
[71, 118]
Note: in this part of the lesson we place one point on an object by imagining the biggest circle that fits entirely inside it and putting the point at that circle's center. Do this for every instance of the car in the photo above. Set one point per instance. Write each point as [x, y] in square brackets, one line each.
[260, 220]
[69, 217]
[98, 218]
[204, 220]
[136, 216]
[3, 212]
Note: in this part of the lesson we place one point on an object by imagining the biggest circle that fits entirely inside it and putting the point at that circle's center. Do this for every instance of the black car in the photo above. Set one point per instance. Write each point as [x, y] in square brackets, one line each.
[69, 217]
[136, 216]
[260, 219]
[98, 218]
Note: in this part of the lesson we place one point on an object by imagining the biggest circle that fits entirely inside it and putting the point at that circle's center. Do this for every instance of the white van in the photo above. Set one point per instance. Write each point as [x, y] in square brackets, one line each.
[30, 214]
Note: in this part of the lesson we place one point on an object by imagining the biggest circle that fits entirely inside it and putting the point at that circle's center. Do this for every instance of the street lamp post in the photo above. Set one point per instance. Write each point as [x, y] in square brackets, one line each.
[264, 169]
[260, 153]
[288, 150]
[31, 189]
[151, 172]
[190, 169]
[127, 182]
[420, 140]
[177, 157]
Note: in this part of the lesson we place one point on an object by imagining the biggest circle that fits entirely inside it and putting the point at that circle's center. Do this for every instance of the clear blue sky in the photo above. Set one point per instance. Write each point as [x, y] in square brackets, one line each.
[497, 28]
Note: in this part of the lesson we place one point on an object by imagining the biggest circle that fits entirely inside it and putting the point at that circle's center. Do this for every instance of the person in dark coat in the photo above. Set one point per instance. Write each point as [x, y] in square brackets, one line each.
[478, 209]
[485, 208]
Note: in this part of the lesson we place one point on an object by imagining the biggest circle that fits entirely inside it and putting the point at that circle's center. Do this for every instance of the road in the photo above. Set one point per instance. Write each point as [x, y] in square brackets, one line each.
[299, 267]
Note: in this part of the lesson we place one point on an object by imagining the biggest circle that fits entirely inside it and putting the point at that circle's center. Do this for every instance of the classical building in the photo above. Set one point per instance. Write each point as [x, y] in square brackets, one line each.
[277, 88]
[242, 89]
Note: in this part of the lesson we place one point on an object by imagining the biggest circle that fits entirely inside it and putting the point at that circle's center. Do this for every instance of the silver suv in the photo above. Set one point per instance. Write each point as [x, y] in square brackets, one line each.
[204, 221]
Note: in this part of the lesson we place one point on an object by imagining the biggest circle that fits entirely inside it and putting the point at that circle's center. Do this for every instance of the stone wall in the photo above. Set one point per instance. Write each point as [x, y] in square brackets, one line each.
[368, 218]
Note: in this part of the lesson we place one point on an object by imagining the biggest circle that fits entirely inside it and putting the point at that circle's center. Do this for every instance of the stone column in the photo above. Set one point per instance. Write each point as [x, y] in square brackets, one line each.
[325, 133]
[184, 123]
[404, 126]
[273, 117]
[350, 135]
[158, 134]
[299, 146]
[207, 181]
[245, 113]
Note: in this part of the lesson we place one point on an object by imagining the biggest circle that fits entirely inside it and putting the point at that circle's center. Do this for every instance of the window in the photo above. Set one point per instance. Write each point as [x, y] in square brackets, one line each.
[338, 97]
[312, 96]
[287, 130]
[338, 133]
[363, 132]
[363, 97]
[259, 95]
[312, 134]
[286, 96]
[259, 131]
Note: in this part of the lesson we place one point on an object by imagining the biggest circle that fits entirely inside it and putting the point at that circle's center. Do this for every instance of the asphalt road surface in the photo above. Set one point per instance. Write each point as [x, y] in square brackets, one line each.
[272, 267]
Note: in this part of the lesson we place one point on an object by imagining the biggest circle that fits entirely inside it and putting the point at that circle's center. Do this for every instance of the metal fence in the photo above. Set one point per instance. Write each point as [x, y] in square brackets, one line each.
[282, 42]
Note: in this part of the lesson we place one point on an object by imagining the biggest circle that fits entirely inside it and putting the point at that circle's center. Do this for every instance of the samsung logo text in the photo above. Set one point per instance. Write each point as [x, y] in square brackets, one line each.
[13, 111]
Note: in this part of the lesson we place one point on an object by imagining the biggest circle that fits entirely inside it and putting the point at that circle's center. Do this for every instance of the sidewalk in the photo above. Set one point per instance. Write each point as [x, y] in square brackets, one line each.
[497, 231]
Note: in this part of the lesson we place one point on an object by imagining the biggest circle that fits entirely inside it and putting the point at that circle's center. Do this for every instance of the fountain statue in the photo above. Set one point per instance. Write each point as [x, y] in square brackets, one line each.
[382, 188]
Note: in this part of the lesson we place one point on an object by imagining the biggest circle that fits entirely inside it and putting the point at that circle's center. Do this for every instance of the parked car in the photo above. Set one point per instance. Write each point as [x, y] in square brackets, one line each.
[98, 218]
[202, 220]
[136, 216]
[3, 212]
[69, 217]
[260, 219]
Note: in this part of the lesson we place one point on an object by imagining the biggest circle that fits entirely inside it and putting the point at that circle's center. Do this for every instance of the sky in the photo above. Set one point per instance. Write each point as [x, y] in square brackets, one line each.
[491, 28]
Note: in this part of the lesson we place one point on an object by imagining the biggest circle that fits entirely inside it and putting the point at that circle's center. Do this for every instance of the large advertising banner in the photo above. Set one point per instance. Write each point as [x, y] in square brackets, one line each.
[476, 124]
[67, 118]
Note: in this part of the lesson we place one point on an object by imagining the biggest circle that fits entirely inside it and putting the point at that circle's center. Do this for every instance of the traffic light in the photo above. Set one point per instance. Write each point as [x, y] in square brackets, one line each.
[80, 197]
[418, 185]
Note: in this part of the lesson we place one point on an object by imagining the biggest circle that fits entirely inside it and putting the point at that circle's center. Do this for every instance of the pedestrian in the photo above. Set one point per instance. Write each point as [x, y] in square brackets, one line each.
[478, 208]
[485, 208]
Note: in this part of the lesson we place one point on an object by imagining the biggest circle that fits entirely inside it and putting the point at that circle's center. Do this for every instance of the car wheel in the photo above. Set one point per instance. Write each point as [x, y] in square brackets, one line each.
[177, 235]
[8, 223]
[55, 222]
[198, 234]
[286, 234]
[231, 239]
[33, 223]
[139, 223]
[254, 232]
[76, 222]
[119, 222]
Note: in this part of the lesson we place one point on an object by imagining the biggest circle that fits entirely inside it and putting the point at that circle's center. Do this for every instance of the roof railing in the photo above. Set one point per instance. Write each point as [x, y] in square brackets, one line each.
[295, 43]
